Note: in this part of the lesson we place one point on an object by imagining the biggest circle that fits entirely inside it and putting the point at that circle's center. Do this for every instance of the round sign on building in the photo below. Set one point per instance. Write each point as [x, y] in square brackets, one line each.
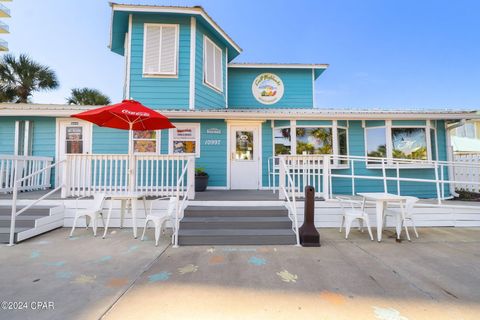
[267, 88]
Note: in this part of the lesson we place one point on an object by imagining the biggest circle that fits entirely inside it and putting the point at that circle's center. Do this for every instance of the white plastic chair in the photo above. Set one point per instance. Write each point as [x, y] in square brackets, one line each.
[93, 212]
[159, 218]
[351, 213]
[403, 215]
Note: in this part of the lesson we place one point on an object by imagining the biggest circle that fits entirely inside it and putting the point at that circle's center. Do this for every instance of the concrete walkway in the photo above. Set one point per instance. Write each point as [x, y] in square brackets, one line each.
[434, 277]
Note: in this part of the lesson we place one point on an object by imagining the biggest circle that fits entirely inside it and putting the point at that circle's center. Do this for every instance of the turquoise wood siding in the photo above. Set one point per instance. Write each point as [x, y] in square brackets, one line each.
[213, 157]
[43, 144]
[7, 135]
[297, 88]
[205, 96]
[160, 92]
[109, 141]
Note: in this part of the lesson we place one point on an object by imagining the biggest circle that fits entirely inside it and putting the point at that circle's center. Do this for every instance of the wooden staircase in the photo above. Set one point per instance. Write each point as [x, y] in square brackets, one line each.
[34, 221]
[236, 225]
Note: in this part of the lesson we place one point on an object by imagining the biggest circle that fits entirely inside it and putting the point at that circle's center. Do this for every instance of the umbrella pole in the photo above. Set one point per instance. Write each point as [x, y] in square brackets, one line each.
[131, 160]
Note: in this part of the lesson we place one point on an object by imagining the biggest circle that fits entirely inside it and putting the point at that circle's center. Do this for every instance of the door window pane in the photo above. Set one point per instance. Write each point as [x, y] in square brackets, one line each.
[314, 141]
[409, 143]
[282, 140]
[74, 140]
[244, 145]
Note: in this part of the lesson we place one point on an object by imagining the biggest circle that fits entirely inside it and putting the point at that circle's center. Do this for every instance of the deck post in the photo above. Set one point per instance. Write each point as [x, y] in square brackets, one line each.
[63, 179]
[191, 178]
[281, 179]
[326, 177]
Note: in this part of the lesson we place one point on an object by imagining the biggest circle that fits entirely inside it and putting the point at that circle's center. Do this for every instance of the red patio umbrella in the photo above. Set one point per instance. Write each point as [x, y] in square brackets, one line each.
[127, 115]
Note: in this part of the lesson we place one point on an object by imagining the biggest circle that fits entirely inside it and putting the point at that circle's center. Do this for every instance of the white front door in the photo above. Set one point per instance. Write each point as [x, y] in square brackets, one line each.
[244, 157]
[74, 137]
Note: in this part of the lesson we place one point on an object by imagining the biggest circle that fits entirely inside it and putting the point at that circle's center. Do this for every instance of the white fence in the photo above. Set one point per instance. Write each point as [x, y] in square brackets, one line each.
[154, 175]
[25, 165]
[468, 170]
[319, 171]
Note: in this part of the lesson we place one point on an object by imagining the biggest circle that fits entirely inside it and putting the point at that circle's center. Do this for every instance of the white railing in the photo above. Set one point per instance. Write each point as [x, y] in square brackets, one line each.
[24, 166]
[18, 181]
[154, 175]
[289, 192]
[319, 171]
[183, 193]
[470, 173]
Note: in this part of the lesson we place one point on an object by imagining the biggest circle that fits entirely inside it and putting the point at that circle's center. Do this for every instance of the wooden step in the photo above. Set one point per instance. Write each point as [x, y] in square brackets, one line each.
[245, 222]
[235, 211]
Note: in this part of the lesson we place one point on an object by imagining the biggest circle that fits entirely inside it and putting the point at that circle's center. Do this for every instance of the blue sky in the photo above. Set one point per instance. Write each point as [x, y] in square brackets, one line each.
[382, 54]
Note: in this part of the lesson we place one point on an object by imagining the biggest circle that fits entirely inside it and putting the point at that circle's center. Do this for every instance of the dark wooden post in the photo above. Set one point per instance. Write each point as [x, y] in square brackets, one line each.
[309, 236]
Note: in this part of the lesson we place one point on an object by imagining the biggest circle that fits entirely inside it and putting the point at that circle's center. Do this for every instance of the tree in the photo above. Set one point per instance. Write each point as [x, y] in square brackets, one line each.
[87, 96]
[20, 78]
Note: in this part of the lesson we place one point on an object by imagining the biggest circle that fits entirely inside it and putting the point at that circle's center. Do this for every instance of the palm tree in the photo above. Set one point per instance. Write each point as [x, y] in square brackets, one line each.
[20, 78]
[87, 96]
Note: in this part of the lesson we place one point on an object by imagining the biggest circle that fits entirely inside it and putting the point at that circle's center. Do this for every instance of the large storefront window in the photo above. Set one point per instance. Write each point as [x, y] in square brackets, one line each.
[314, 140]
[185, 138]
[145, 141]
[376, 142]
[409, 143]
[282, 140]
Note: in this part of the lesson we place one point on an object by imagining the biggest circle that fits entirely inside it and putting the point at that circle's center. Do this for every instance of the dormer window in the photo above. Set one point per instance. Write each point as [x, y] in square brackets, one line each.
[160, 49]
[212, 65]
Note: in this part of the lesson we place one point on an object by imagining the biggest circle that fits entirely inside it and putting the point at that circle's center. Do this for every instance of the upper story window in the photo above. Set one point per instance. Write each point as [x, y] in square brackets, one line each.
[160, 52]
[23, 137]
[212, 64]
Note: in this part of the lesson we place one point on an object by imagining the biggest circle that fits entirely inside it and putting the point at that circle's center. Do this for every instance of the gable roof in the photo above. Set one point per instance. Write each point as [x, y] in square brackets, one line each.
[120, 14]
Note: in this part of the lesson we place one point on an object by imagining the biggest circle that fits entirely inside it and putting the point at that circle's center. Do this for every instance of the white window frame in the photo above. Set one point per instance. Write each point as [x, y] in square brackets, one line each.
[205, 81]
[177, 38]
[158, 139]
[335, 148]
[388, 136]
[197, 127]
[27, 138]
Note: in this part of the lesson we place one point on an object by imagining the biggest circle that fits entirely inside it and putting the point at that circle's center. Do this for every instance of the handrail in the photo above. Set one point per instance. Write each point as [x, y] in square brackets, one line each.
[307, 164]
[292, 204]
[15, 195]
[180, 185]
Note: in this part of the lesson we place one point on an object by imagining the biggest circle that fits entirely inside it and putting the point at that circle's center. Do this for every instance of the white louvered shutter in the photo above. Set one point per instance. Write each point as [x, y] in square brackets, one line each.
[218, 69]
[152, 49]
[209, 63]
[160, 49]
[168, 52]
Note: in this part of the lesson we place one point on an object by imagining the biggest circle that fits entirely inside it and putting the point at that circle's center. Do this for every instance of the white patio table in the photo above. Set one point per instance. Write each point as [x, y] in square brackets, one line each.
[381, 200]
[124, 197]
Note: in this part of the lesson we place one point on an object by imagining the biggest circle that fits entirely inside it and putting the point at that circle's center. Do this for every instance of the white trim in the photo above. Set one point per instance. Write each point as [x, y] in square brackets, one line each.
[129, 57]
[177, 49]
[313, 89]
[226, 78]
[15, 141]
[62, 110]
[195, 125]
[278, 65]
[204, 75]
[193, 40]
[166, 9]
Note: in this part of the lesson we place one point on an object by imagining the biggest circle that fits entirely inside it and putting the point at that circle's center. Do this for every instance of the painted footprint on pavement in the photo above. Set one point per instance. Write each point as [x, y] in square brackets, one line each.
[162, 276]
[84, 279]
[188, 269]
[387, 314]
[256, 261]
[287, 276]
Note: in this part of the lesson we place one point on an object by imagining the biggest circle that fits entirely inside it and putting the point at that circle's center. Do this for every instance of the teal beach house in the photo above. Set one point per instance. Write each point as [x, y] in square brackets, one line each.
[250, 126]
